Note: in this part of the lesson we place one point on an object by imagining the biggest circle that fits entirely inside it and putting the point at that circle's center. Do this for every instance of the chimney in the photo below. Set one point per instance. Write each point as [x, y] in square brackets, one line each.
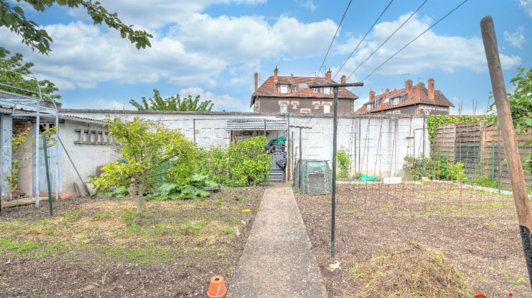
[387, 93]
[256, 81]
[371, 95]
[431, 89]
[328, 75]
[275, 73]
[343, 79]
[408, 86]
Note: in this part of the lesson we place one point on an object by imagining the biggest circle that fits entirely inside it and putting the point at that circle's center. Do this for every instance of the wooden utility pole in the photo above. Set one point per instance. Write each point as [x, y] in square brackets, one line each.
[511, 148]
[335, 87]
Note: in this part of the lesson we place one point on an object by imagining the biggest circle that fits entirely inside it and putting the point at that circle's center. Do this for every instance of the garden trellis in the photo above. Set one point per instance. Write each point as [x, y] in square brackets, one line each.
[18, 106]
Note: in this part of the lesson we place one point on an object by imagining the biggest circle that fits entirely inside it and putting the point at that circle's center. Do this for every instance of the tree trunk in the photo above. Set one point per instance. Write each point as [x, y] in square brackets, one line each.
[140, 198]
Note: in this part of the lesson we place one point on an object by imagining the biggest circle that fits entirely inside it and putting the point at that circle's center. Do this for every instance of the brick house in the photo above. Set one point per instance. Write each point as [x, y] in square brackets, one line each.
[410, 100]
[291, 94]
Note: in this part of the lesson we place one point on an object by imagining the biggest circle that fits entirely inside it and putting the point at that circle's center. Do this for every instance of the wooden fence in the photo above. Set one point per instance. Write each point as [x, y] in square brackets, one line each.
[479, 147]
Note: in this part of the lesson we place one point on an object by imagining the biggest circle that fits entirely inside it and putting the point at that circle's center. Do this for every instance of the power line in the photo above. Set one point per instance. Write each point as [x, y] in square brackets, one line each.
[364, 37]
[410, 42]
[388, 38]
[334, 37]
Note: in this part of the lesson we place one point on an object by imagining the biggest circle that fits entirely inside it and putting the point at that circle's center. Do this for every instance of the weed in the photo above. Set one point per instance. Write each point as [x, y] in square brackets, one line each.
[219, 201]
[102, 215]
[229, 230]
[128, 216]
[73, 215]
[17, 248]
[194, 227]
[138, 255]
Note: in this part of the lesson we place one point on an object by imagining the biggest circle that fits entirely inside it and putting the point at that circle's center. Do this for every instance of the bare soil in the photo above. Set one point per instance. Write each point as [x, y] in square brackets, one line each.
[476, 231]
[91, 247]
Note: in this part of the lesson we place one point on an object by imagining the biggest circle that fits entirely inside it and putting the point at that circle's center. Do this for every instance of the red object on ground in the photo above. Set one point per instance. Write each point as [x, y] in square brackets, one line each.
[66, 196]
[510, 294]
[217, 287]
[480, 296]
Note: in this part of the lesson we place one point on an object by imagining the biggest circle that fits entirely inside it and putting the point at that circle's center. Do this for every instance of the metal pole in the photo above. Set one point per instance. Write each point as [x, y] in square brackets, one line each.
[48, 184]
[292, 160]
[333, 189]
[37, 156]
[300, 157]
[511, 148]
[194, 131]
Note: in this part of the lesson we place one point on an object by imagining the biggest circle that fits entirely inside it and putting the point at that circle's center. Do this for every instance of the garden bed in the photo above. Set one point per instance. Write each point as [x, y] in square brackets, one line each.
[476, 233]
[93, 247]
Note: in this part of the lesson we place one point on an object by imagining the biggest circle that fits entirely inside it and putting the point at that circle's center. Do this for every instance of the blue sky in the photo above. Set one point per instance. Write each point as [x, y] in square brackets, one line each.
[213, 47]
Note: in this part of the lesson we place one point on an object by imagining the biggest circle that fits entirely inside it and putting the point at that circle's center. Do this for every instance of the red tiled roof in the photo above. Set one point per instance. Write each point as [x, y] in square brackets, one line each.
[299, 87]
[418, 95]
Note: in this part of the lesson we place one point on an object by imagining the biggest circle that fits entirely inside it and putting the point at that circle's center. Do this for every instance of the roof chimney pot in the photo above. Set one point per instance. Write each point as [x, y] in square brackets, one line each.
[328, 75]
[408, 86]
[371, 95]
[343, 79]
[431, 89]
[256, 77]
[275, 74]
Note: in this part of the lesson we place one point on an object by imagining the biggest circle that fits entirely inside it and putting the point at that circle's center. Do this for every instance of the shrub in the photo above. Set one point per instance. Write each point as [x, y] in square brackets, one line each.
[344, 162]
[436, 167]
[243, 163]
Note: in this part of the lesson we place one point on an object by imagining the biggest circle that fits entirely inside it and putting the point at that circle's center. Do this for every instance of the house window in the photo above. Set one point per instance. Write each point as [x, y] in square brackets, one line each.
[316, 105]
[306, 111]
[326, 109]
[368, 107]
[283, 89]
[283, 108]
[326, 90]
[294, 103]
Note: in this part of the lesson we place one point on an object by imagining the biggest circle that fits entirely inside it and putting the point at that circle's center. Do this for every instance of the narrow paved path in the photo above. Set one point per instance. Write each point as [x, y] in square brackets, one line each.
[277, 260]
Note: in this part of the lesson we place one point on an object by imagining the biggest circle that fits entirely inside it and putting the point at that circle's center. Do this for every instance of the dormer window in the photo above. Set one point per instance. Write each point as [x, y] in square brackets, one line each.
[284, 89]
[326, 90]
[368, 107]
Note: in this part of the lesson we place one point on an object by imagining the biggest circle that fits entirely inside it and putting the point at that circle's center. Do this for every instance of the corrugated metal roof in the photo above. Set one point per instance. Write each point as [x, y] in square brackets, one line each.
[256, 124]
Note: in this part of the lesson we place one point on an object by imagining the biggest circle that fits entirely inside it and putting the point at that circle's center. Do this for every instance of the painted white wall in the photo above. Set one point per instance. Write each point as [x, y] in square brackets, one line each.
[377, 144]
[85, 157]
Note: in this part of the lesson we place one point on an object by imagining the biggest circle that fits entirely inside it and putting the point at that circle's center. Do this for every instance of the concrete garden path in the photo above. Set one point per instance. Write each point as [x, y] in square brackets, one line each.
[277, 260]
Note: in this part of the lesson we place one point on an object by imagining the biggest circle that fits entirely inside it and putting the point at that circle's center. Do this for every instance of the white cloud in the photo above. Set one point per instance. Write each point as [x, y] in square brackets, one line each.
[221, 102]
[517, 38]
[430, 51]
[100, 103]
[156, 13]
[198, 49]
[527, 6]
[309, 4]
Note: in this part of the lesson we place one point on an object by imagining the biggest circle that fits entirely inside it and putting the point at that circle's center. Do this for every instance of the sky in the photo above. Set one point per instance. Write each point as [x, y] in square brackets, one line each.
[212, 48]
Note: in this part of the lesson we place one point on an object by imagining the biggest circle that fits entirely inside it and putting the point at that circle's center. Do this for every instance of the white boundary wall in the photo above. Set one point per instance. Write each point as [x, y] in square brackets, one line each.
[377, 144]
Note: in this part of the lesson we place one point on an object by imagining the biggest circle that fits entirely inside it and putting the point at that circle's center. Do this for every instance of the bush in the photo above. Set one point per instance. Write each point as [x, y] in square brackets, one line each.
[241, 164]
[436, 167]
[343, 163]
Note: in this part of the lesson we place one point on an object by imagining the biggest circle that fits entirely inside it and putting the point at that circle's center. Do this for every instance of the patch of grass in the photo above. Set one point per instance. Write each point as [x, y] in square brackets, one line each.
[16, 248]
[138, 255]
[42, 227]
[412, 270]
[229, 230]
[54, 249]
[194, 227]
[219, 201]
[102, 215]
[128, 216]
[72, 215]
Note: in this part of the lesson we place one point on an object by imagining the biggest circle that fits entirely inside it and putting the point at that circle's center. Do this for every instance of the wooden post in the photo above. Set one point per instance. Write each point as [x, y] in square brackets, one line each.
[515, 168]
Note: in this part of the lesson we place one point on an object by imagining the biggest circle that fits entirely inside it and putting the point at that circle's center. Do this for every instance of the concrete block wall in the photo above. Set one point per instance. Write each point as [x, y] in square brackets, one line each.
[6, 133]
[376, 144]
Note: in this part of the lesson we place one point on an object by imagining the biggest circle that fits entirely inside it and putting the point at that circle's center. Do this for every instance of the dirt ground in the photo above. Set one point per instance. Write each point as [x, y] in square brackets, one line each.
[475, 230]
[93, 247]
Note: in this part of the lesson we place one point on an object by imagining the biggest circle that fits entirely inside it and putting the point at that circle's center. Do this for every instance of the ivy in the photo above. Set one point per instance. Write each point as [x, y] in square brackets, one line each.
[435, 121]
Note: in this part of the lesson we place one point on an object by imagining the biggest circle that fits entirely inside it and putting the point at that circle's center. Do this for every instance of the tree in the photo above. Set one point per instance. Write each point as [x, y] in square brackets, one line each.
[521, 108]
[172, 103]
[150, 154]
[13, 17]
[14, 77]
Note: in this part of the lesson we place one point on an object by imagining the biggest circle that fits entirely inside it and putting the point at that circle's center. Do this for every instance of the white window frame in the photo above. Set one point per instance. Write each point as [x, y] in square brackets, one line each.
[326, 109]
[326, 90]
[283, 108]
[284, 89]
